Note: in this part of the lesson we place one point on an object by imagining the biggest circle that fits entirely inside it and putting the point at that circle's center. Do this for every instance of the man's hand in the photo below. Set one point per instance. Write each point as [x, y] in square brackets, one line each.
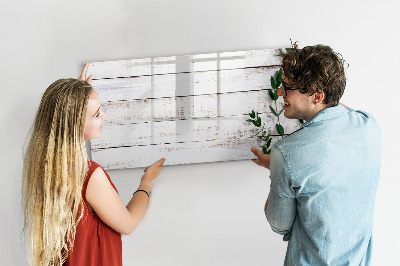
[263, 159]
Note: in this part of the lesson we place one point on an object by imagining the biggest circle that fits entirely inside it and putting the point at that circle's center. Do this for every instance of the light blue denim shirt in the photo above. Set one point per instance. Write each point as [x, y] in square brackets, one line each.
[323, 183]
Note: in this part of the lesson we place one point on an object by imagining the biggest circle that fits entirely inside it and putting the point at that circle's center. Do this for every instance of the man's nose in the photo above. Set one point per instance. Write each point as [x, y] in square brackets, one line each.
[280, 91]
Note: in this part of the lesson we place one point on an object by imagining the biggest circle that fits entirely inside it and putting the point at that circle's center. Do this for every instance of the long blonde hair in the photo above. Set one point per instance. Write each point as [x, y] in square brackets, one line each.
[55, 167]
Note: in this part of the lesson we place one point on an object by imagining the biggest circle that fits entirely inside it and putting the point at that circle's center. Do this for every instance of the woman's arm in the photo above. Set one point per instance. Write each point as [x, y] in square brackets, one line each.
[343, 105]
[108, 205]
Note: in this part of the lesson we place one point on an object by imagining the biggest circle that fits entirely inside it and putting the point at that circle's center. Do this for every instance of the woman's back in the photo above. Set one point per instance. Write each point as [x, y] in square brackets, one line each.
[95, 242]
[55, 167]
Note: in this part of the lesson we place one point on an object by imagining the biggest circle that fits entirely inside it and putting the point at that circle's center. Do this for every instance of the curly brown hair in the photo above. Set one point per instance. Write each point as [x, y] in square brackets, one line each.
[316, 69]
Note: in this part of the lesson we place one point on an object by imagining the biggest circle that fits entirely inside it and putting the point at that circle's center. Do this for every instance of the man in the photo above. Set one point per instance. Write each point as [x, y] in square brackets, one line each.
[323, 176]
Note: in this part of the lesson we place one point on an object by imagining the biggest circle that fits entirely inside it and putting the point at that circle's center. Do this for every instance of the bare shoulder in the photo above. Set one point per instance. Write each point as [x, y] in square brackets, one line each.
[98, 183]
[98, 173]
[105, 201]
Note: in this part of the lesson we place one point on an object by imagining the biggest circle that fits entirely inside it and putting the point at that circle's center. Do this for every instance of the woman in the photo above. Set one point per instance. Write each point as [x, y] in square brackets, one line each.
[73, 213]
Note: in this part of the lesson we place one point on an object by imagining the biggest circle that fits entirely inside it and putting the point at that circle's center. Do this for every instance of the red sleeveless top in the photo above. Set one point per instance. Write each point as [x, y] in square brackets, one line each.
[95, 242]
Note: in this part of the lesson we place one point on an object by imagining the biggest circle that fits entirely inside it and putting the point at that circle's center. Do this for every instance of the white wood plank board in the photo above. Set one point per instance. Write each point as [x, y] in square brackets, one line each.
[184, 84]
[178, 108]
[193, 130]
[185, 63]
[189, 109]
[177, 153]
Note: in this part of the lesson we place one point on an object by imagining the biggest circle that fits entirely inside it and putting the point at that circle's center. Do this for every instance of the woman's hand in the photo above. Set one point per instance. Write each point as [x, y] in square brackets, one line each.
[83, 74]
[151, 172]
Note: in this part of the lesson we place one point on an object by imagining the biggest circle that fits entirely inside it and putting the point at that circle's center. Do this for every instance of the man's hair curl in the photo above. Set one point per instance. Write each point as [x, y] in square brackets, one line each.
[316, 69]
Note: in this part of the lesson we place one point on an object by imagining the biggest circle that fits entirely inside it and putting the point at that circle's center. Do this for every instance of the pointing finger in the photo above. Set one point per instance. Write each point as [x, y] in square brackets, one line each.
[160, 162]
[83, 74]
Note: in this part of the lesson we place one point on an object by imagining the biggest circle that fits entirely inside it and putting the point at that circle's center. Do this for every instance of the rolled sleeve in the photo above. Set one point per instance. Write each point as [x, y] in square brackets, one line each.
[281, 210]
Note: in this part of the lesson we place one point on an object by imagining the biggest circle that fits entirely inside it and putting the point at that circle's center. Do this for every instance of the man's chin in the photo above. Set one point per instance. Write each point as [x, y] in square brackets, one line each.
[290, 116]
[287, 115]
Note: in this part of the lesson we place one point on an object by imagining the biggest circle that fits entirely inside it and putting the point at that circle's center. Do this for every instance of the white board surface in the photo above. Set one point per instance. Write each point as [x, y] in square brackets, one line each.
[188, 109]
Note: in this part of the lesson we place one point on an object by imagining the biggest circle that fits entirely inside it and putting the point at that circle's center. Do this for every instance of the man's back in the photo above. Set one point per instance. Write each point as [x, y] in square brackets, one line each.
[326, 174]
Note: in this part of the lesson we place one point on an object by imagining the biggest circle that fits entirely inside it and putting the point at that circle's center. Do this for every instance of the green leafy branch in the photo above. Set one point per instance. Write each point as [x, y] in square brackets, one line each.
[256, 120]
[273, 94]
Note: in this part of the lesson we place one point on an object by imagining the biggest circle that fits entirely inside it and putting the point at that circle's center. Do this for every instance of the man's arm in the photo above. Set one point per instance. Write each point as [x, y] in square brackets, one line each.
[281, 207]
[280, 213]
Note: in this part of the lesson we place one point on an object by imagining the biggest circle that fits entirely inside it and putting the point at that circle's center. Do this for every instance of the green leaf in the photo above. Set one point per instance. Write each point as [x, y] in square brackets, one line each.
[259, 121]
[264, 149]
[273, 111]
[269, 151]
[260, 137]
[279, 77]
[257, 133]
[269, 142]
[279, 52]
[271, 94]
[276, 96]
[280, 129]
[280, 112]
[255, 123]
[252, 114]
[249, 120]
[273, 84]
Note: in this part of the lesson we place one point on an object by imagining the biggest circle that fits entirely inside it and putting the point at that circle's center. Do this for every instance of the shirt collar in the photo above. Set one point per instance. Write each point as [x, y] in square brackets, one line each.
[326, 114]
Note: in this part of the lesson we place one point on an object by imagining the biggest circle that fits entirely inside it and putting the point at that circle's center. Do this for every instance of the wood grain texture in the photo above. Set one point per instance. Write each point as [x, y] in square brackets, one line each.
[184, 84]
[177, 153]
[178, 108]
[189, 109]
[185, 63]
[193, 130]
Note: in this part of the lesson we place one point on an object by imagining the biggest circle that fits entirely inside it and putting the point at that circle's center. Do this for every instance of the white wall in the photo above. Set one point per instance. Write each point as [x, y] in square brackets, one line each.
[205, 214]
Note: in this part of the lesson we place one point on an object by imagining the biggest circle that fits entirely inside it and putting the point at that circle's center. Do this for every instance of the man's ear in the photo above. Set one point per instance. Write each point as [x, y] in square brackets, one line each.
[318, 97]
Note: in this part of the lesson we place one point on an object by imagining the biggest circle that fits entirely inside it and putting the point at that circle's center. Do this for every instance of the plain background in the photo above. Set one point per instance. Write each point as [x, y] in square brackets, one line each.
[200, 214]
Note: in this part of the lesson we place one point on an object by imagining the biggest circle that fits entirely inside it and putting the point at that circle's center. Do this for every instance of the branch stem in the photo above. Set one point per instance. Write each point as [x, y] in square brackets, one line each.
[277, 112]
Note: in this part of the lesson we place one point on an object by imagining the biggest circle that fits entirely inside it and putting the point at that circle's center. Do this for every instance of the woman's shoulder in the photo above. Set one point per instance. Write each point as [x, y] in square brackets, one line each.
[92, 166]
[98, 170]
